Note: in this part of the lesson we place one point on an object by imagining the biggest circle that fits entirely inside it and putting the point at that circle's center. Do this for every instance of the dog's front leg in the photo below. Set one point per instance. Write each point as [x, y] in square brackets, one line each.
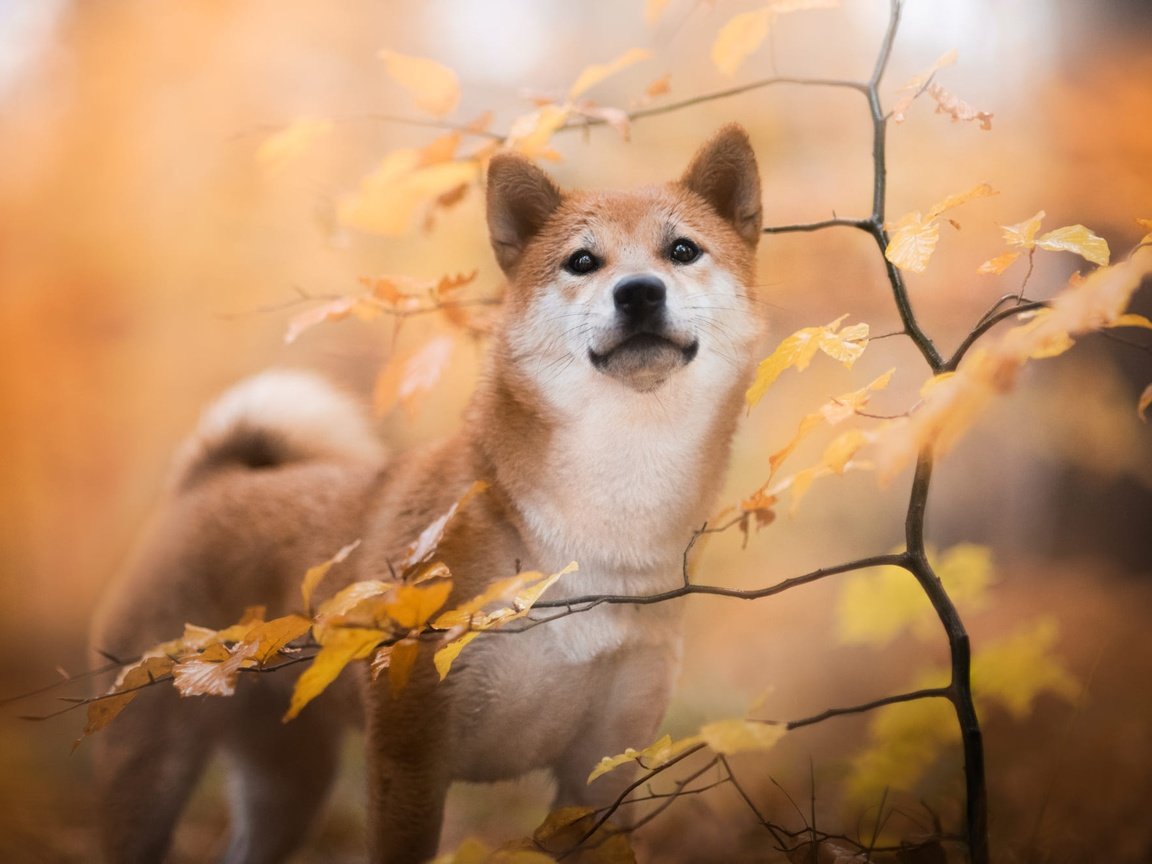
[408, 768]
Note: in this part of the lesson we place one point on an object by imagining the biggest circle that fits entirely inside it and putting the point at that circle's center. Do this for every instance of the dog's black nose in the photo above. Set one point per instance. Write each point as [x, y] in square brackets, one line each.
[639, 299]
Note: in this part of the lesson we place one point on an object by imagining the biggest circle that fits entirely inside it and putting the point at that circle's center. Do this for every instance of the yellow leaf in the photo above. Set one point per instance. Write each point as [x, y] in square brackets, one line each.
[341, 646]
[740, 37]
[653, 9]
[1144, 403]
[531, 133]
[280, 149]
[400, 189]
[877, 605]
[1131, 319]
[1146, 224]
[906, 739]
[736, 736]
[913, 241]
[980, 190]
[807, 424]
[317, 573]
[845, 346]
[996, 266]
[1015, 671]
[597, 72]
[1078, 239]
[446, 655]
[842, 449]
[433, 86]
[846, 405]
[271, 636]
[410, 375]
[798, 350]
[411, 606]
[214, 672]
[651, 757]
[1022, 235]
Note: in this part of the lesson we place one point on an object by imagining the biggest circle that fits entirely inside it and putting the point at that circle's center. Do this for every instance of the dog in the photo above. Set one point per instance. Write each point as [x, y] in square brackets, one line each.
[601, 426]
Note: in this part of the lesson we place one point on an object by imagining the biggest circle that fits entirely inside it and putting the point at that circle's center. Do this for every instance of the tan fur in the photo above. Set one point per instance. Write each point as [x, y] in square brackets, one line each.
[613, 467]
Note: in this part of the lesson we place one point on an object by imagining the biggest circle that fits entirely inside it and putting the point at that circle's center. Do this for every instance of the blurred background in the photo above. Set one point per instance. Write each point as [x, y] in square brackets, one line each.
[149, 258]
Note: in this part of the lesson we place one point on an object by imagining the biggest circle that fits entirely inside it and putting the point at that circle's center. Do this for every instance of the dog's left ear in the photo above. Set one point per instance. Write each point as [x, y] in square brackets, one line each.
[723, 173]
[521, 197]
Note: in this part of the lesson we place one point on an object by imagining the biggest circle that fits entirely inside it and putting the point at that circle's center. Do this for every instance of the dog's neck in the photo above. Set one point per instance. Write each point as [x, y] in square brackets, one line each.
[616, 480]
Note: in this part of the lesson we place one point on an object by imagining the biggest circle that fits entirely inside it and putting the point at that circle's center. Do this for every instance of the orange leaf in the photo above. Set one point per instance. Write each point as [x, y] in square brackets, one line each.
[410, 375]
[433, 86]
[653, 9]
[996, 266]
[530, 134]
[1144, 403]
[342, 645]
[316, 573]
[401, 662]
[402, 187]
[739, 38]
[1146, 224]
[661, 86]
[947, 103]
[915, 85]
[105, 709]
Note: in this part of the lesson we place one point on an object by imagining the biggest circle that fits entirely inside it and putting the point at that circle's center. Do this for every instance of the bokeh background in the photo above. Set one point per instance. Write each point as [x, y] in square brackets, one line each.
[148, 259]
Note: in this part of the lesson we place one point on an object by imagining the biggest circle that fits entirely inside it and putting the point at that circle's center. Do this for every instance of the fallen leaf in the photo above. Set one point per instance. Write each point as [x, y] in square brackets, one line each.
[957, 108]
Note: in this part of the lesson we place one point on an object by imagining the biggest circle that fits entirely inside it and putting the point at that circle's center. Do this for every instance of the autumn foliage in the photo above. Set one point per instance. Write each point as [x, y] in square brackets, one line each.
[905, 593]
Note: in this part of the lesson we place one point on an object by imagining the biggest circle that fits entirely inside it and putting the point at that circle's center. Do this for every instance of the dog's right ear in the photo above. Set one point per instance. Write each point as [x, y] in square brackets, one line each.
[521, 197]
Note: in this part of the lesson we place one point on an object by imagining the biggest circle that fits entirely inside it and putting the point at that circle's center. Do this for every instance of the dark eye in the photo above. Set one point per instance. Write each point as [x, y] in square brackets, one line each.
[582, 262]
[684, 251]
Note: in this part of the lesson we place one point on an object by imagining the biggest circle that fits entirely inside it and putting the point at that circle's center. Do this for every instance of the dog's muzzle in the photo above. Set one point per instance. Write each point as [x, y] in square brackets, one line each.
[642, 351]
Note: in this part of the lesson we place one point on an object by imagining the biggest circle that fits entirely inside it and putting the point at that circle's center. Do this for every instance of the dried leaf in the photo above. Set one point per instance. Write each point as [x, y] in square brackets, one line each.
[1144, 403]
[915, 85]
[411, 606]
[425, 545]
[105, 709]
[1146, 224]
[433, 86]
[1022, 235]
[980, 190]
[597, 72]
[214, 671]
[280, 149]
[566, 827]
[957, 108]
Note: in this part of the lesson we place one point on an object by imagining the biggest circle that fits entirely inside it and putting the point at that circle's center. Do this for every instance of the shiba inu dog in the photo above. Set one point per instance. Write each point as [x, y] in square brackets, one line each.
[602, 427]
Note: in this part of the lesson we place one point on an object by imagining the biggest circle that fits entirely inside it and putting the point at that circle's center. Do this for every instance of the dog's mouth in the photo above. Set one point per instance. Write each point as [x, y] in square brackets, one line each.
[644, 360]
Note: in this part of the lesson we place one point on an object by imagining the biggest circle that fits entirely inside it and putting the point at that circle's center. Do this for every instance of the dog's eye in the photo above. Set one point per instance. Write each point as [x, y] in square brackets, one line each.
[684, 251]
[582, 262]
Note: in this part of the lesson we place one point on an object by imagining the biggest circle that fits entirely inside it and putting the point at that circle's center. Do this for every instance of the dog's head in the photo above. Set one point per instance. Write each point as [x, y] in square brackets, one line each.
[638, 286]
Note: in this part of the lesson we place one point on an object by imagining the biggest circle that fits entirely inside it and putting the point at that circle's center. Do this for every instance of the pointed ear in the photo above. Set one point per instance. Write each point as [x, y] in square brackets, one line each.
[521, 197]
[723, 173]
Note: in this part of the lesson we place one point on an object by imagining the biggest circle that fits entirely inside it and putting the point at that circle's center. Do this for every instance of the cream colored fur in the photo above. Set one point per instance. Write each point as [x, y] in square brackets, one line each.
[602, 432]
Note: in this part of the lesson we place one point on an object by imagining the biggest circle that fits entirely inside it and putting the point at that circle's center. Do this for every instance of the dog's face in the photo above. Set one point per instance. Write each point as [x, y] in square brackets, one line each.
[636, 287]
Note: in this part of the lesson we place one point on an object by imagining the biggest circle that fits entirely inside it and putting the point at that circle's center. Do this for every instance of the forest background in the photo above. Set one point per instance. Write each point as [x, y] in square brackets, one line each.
[152, 252]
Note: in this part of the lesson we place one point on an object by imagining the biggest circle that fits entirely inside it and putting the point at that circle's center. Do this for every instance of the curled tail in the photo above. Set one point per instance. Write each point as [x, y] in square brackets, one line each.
[275, 418]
